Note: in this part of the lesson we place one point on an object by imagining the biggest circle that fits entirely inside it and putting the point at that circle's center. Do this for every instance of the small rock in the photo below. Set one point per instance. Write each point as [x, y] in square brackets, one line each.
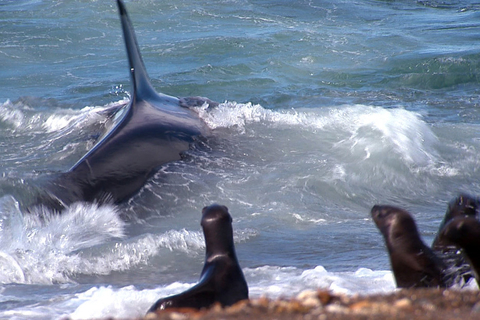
[309, 299]
[237, 307]
[312, 302]
[404, 303]
[217, 307]
[428, 306]
[324, 296]
[178, 316]
[334, 308]
[261, 302]
[150, 316]
[306, 294]
[362, 305]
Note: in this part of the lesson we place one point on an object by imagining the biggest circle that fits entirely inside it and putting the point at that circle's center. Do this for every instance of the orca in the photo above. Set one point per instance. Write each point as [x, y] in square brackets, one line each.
[151, 130]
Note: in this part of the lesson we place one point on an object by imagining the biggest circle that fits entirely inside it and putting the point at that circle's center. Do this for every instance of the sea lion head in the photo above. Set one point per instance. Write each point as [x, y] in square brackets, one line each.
[461, 232]
[393, 222]
[413, 263]
[463, 205]
[217, 228]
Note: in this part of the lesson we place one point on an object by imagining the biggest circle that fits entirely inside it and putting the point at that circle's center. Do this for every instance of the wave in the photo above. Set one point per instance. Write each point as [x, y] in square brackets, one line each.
[46, 248]
[354, 150]
[268, 281]
[362, 129]
[40, 247]
[289, 166]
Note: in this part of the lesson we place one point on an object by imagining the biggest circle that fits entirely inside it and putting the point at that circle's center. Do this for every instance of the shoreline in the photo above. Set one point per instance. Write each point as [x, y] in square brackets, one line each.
[402, 304]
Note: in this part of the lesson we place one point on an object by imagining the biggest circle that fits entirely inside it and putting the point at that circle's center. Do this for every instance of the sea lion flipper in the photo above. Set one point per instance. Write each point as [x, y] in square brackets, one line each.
[198, 296]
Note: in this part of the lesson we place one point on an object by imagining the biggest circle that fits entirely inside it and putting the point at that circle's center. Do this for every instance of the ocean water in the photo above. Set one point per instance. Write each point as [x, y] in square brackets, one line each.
[327, 108]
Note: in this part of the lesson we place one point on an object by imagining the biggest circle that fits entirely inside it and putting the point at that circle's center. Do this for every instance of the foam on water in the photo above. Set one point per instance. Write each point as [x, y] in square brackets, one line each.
[84, 239]
[277, 282]
[38, 247]
[21, 116]
[127, 302]
[367, 129]
[267, 281]
[271, 282]
[49, 134]
[359, 152]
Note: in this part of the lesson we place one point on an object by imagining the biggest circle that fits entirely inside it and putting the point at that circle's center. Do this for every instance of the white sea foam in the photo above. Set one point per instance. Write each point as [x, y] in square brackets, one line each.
[123, 303]
[22, 117]
[11, 114]
[39, 250]
[360, 129]
[65, 118]
[272, 282]
[84, 239]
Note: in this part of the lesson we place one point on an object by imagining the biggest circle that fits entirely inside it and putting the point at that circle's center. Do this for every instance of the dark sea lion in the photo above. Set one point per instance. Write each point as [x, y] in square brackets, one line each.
[222, 278]
[462, 206]
[459, 270]
[464, 233]
[151, 130]
[413, 263]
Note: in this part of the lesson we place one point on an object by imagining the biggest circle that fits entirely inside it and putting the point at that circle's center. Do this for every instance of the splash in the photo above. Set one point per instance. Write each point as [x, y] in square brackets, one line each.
[84, 239]
[21, 117]
[275, 282]
[42, 250]
[269, 281]
[359, 129]
[125, 303]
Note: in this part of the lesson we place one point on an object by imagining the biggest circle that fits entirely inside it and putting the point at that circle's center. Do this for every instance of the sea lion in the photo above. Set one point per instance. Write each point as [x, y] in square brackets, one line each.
[413, 263]
[222, 278]
[459, 270]
[462, 206]
[152, 129]
[464, 233]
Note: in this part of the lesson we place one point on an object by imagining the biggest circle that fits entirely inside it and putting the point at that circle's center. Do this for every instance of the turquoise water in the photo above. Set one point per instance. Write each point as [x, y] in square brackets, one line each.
[327, 108]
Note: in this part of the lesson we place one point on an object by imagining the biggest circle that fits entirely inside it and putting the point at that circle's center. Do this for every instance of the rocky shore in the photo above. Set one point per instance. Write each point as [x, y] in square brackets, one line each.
[402, 304]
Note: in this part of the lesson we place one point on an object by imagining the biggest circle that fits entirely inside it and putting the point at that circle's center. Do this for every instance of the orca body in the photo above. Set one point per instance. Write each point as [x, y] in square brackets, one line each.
[151, 130]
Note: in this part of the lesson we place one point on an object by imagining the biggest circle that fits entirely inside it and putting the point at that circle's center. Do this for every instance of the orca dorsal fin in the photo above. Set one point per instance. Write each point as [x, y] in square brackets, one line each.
[142, 88]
